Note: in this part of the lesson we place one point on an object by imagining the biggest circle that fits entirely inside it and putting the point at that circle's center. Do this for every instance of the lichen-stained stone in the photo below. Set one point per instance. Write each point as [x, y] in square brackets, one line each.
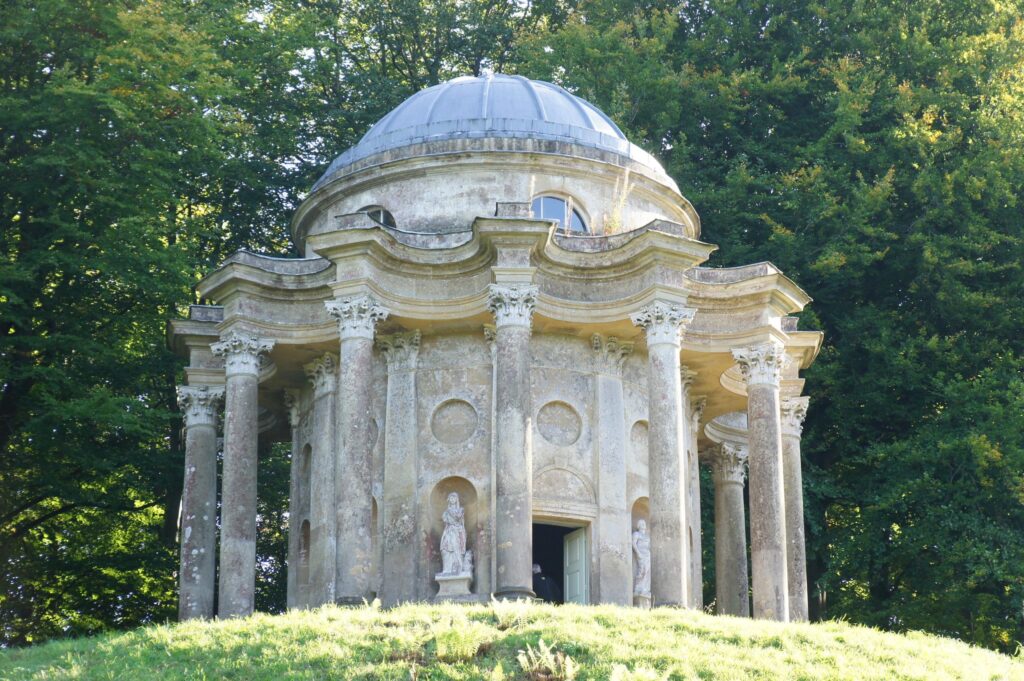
[200, 406]
[242, 355]
[761, 367]
[496, 295]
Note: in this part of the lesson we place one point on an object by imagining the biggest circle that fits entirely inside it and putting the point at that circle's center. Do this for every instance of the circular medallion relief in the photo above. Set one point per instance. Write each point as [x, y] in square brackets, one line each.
[559, 423]
[454, 421]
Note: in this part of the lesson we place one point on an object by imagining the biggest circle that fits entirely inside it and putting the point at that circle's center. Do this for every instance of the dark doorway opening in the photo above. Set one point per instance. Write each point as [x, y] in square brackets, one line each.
[549, 554]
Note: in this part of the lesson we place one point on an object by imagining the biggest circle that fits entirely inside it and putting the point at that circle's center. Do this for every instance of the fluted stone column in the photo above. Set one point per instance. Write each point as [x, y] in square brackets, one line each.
[401, 467]
[357, 320]
[732, 588]
[512, 306]
[198, 567]
[323, 521]
[794, 410]
[761, 367]
[695, 408]
[663, 324]
[615, 554]
[237, 579]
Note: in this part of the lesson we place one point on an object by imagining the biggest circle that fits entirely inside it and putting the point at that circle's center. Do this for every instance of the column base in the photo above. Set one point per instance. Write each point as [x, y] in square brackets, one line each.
[642, 602]
[354, 600]
[513, 593]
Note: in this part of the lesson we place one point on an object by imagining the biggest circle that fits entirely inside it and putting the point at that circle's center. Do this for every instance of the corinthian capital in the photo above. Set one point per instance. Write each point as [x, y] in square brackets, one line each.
[761, 364]
[199, 404]
[729, 462]
[794, 411]
[663, 322]
[512, 305]
[241, 352]
[400, 350]
[323, 373]
[357, 315]
[610, 353]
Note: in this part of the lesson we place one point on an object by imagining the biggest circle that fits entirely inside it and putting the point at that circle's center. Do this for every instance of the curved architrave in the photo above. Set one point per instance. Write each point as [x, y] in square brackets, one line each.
[730, 428]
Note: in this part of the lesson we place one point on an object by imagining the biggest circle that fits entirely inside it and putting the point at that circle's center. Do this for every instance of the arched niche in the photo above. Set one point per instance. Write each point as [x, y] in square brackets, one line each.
[304, 552]
[376, 547]
[305, 477]
[438, 502]
[641, 509]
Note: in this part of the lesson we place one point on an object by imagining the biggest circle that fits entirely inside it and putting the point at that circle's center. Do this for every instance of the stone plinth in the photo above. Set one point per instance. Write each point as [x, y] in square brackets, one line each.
[454, 588]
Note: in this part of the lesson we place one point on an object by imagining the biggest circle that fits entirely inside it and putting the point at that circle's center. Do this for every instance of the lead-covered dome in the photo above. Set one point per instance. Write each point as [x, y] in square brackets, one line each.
[493, 106]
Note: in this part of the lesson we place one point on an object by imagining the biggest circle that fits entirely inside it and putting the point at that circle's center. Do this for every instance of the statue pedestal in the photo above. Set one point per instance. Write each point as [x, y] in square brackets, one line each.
[643, 602]
[454, 588]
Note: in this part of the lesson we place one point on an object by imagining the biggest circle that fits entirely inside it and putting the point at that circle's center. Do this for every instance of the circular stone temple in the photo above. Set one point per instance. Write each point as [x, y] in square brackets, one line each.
[501, 347]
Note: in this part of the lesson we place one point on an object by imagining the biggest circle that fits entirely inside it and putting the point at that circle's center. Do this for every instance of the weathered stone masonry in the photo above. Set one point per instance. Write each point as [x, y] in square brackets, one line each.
[502, 310]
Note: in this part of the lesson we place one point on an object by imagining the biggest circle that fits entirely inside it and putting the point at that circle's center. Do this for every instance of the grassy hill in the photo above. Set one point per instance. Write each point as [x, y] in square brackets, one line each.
[484, 642]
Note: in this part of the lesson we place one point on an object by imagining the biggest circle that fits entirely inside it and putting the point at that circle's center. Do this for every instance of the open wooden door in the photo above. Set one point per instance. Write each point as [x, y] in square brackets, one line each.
[577, 587]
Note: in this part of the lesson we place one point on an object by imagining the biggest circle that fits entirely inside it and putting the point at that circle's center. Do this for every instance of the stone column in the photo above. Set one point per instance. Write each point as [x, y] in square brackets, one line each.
[695, 408]
[401, 566]
[296, 596]
[237, 579]
[732, 590]
[357, 319]
[616, 554]
[512, 306]
[199, 405]
[762, 367]
[323, 532]
[794, 410]
[663, 324]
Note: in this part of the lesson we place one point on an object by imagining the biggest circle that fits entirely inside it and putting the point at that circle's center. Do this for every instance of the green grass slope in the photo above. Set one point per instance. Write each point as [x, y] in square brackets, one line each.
[484, 642]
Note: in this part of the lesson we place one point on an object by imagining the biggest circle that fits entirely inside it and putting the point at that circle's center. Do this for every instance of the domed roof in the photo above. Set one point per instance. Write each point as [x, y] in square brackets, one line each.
[493, 106]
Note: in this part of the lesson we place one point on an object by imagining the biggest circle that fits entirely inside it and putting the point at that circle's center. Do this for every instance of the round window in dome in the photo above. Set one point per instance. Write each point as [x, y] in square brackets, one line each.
[556, 208]
[380, 215]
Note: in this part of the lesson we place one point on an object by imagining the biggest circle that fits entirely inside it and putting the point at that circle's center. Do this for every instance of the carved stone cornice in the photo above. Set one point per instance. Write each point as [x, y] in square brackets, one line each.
[513, 304]
[794, 411]
[200, 404]
[401, 350]
[761, 364]
[357, 315]
[663, 322]
[242, 353]
[293, 405]
[729, 463]
[609, 354]
[697, 405]
[323, 374]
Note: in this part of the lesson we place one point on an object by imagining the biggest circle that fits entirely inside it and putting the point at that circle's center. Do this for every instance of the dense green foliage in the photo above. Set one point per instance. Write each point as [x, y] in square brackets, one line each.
[870, 149]
[503, 642]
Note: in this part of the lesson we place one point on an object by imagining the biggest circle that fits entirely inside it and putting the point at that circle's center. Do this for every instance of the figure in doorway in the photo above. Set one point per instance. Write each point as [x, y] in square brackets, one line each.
[642, 551]
[455, 559]
[545, 587]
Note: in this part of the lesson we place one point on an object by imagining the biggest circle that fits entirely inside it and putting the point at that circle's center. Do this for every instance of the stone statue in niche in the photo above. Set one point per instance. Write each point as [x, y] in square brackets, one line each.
[642, 572]
[456, 560]
[453, 541]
